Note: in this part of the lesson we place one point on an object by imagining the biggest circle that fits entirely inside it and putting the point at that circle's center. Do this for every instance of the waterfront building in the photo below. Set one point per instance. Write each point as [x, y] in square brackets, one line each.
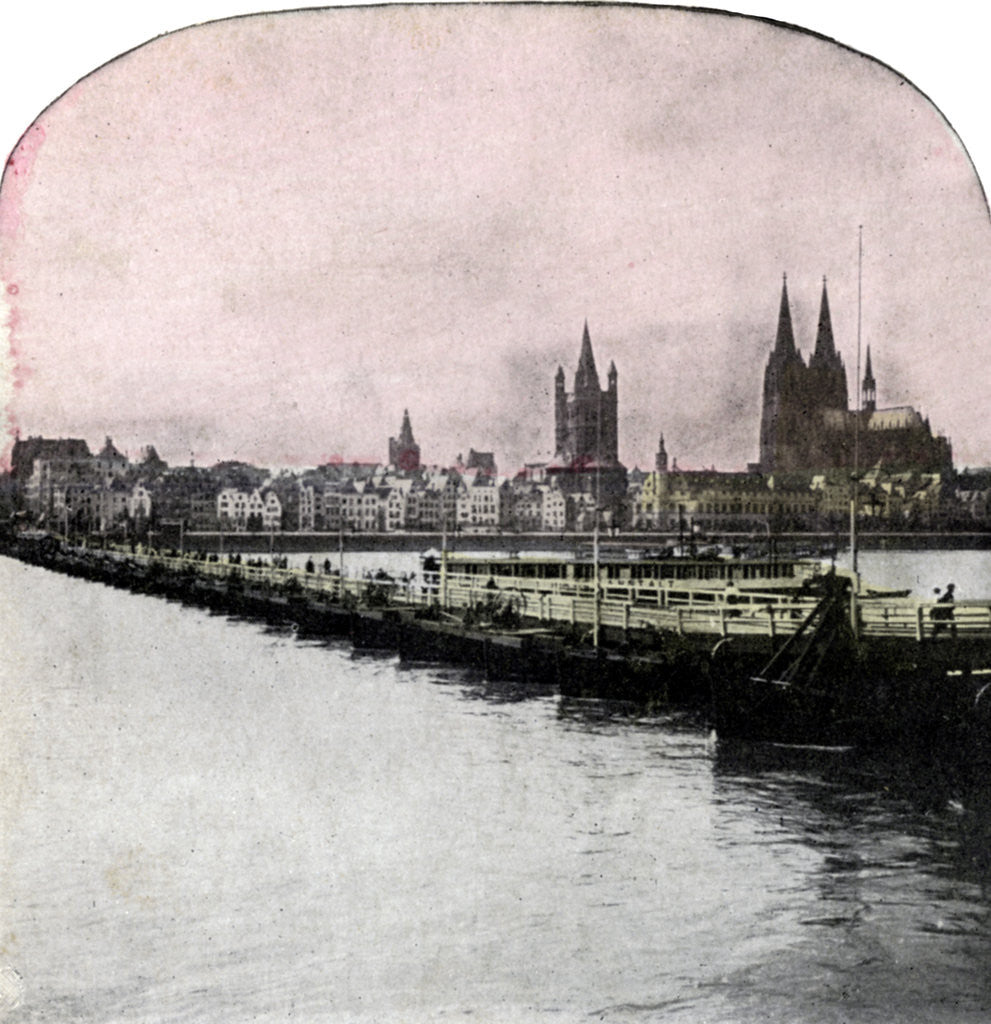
[109, 463]
[394, 499]
[249, 510]
[477, 503]
[583, 512]
[139, 502]
[27, 450]
[806, 424]
[330, 510]
[110, 504]
[186, 494]
[54, 481]
[532, 504]
[422, 506]
[310, 497]
[360, 506]
[524, 507]
[445, 485]
[972, 497]
[67, 486]
[554, 510]
[681, 500]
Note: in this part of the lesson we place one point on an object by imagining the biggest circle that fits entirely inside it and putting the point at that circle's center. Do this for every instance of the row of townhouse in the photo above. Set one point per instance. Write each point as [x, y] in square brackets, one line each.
[537, 508]
[73, 496]
[259, 509]
[391, 502]
[93, 506]
[883, 499]
[467, 502]
[199, 505]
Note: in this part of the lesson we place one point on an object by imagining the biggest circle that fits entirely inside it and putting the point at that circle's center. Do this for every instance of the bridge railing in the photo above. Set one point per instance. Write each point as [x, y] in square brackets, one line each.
[669, 606]
[921, 620]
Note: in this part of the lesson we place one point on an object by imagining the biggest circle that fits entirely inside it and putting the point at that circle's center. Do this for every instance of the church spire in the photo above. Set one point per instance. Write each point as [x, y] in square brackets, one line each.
[661, 458]
[825, 347]
[827, 373]
[587, 376]
[406, 430]
[404, 452]
[784, 345]
[869, 388]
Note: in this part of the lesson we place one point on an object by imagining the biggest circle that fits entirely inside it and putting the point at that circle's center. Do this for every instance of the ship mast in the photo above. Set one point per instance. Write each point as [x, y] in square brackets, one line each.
[597, 594]
[854, 478]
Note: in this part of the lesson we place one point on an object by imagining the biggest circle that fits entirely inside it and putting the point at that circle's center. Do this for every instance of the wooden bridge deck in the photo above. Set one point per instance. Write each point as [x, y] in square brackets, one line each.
[760, 609]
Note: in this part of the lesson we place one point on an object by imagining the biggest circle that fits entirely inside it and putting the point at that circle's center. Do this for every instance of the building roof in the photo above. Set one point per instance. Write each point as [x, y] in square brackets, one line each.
[109, 451]
[900, 417]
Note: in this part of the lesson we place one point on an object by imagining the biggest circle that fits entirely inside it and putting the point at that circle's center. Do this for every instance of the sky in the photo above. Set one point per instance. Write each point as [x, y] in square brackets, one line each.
[264, 238]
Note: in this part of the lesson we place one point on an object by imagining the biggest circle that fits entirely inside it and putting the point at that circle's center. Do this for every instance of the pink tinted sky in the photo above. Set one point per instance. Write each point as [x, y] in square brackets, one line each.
[263, 238]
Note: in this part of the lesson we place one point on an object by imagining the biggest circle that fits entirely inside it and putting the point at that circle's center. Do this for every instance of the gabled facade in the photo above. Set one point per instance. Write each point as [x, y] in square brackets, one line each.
[249, 510]
[478, 502]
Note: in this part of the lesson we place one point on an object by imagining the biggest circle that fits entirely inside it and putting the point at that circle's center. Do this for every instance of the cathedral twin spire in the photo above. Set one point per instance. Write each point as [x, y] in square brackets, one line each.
[806, 420]
[804, 402]
[826, 369]
[784, 345]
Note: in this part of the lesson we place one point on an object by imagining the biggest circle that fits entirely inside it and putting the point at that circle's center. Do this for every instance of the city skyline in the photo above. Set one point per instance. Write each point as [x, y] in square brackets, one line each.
[442, 243]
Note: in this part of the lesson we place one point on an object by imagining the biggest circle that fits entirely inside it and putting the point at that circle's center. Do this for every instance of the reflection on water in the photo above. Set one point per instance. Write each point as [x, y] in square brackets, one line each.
[211, 819]
[895, 910]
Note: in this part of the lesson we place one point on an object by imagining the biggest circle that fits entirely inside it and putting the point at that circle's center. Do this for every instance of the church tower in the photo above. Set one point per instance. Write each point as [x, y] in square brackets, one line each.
[560, 412]
[586, 435]
[661, 458]
[868, 391]
[827, 374]
[404, 452]
[585, 422]
[784, 396]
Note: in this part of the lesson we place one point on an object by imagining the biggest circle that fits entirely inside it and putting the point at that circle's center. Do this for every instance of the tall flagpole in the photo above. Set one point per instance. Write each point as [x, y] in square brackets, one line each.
[855, 482]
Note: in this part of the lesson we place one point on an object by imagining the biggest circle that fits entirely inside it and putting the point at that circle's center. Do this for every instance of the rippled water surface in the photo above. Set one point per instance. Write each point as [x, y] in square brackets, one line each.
[206, 819]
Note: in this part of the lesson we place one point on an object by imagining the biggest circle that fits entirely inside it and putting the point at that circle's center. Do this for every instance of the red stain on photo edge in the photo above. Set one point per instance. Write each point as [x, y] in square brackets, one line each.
[16, 178]
[16, 175]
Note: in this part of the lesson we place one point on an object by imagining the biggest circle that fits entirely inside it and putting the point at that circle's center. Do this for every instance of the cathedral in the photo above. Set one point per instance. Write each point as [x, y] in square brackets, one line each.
[586, 437]
[806, 423]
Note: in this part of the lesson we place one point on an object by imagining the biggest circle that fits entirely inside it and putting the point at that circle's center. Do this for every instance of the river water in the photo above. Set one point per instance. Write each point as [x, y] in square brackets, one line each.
[204, 819]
